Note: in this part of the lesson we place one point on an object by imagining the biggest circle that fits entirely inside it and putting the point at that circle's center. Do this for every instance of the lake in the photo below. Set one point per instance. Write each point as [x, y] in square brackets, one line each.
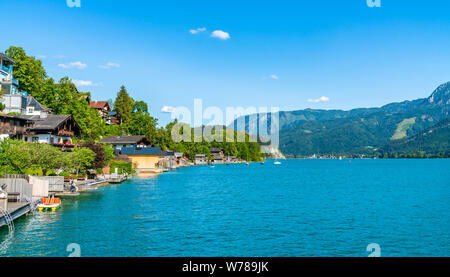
[299, 208]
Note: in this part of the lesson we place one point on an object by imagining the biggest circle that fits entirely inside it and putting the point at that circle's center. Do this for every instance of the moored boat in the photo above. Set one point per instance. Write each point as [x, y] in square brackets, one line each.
[49, 203]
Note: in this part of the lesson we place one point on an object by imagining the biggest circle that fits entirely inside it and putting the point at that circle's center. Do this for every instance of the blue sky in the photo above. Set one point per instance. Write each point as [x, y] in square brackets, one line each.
[279, 53]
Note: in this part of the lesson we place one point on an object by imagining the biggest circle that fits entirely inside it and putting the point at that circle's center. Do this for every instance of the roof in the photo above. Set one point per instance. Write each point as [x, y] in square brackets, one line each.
[49, 123]
[32, 102]
[12, 117]
[200, 156]
[4, 57]
[99, 104]
[141, 151]
[121, 140]
[215, 150]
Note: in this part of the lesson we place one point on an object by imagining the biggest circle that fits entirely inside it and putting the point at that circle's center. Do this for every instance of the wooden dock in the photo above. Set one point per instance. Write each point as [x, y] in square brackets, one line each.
[91, 185]
[16, 210]
[118, 179]
[67, 194]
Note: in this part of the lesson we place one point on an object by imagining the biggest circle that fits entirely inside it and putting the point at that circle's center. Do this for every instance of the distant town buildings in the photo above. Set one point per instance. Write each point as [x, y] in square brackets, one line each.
[231, 159]
[218, 155]
[201, 159]
[173, 160]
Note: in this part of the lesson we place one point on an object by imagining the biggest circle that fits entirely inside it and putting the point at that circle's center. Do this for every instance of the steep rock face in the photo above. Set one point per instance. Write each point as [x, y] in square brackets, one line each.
[441, 96]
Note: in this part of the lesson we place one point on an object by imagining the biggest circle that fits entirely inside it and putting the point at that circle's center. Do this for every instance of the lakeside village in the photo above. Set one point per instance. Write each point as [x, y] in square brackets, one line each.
[55, 142]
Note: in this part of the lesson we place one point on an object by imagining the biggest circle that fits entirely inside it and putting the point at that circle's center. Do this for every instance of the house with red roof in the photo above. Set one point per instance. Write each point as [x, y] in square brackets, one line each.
[104, 111]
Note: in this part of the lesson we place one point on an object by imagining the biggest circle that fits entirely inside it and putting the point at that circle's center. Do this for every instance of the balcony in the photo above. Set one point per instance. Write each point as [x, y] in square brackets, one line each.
[14, 130]
[6, 69]
[5, 78]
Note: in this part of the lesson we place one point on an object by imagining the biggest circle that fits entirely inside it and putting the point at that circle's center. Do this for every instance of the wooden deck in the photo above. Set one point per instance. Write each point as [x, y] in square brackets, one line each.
[67, 194]
[16, 210]
[119, 179]
[91, 185]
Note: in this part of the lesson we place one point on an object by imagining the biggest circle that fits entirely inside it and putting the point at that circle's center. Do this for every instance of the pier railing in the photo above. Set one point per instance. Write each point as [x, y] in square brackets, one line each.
[16, 176]
[55, 183]
[20, 186]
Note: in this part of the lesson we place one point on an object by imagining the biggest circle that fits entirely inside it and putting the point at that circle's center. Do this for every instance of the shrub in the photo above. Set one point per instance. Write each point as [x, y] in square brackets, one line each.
[64, 173]
[126, 167]
[34, 171]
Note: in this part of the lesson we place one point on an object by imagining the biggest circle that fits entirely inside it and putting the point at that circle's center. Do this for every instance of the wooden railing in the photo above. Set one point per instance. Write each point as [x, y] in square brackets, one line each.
[16, 176]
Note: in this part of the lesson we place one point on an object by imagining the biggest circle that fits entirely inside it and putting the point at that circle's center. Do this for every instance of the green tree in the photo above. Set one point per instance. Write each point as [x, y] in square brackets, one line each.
[80, 159]
[18, 156]
[28, 70]
[103, 154]
[142, 124]
[124, 105]
[140, 107]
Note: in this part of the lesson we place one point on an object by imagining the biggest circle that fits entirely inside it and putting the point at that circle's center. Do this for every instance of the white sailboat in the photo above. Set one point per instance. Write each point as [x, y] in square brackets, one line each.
[277, 162]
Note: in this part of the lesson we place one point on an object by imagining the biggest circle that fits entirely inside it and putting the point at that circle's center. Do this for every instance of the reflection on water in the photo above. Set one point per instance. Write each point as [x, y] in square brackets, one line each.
[147, 175]
[301, 208]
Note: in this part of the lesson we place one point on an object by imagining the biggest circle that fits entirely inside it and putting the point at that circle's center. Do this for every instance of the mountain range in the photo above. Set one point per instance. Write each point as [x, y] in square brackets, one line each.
[364, 130]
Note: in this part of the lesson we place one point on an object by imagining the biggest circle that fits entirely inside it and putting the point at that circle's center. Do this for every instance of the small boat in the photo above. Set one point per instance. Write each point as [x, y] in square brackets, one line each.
[263, 163]
[49, 203]
[277, 163]
[213, 166]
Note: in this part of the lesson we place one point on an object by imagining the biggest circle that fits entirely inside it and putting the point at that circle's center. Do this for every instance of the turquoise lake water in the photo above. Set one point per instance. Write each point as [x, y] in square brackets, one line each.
[299, 208]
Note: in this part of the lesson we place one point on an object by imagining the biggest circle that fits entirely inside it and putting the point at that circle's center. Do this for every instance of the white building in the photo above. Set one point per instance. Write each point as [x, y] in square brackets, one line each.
[16, 101]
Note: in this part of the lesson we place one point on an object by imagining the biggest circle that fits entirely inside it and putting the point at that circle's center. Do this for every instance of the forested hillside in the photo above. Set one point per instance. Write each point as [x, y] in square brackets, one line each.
[359, 131]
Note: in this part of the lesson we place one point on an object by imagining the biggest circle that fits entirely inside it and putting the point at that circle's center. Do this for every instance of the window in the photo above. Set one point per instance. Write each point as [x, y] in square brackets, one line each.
[30, 110]
[35, 139]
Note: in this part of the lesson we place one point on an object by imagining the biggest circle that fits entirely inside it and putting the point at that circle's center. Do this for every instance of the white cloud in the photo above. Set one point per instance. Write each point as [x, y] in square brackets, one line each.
[59, 57]
[41, 57]
[319, 100]
[78, 65]
[220, 35]
[109, 65]
[275, 77]
[168, 109]
[82, 83]
[196, 31]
